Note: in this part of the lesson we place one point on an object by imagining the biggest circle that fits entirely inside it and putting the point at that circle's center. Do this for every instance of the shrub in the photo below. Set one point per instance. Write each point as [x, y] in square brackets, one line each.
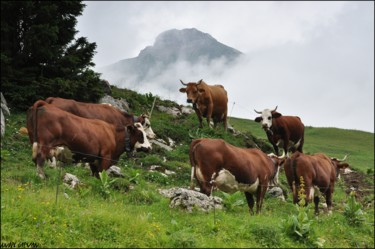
[353, 211]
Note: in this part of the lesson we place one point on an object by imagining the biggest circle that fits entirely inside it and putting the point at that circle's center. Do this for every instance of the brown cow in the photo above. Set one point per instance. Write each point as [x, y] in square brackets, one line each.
[284, 131]
[104, 111]
[208, 101]
[318, 172]
[92, 138]
[218, 164]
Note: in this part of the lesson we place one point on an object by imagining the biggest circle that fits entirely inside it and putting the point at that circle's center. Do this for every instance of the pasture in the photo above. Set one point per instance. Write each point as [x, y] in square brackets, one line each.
[130, 212]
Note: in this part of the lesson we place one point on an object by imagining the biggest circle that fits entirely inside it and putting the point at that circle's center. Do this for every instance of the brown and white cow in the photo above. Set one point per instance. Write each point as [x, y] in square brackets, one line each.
[103, 111]
[217, 164]
[209, 101]
[319, 173]
[282, 131]
[93, 139]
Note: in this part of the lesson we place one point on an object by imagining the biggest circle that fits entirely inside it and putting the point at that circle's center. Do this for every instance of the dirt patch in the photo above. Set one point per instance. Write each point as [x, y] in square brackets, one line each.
[362, 184]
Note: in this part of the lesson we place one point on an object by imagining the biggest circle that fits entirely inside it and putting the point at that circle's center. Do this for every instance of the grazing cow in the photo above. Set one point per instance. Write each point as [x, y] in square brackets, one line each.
[217, 164]
[103, 111]
[282, 131]
[208, 101]
[93, 139]
[318, 172]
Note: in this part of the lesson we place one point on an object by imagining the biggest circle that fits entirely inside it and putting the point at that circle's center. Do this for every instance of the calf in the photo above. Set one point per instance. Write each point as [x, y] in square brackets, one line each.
[318, 172]
[90, 138]
[283, 131]
[217, 164]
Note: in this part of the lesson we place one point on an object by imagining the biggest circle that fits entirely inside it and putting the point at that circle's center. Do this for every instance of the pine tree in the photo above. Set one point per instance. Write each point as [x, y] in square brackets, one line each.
[40, 56]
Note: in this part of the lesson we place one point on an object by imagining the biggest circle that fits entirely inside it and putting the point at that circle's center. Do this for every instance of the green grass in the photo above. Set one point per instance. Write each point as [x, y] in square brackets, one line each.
[134, 214]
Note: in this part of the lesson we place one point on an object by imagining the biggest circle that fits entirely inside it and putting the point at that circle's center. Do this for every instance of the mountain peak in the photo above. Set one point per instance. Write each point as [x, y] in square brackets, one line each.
[172, 46]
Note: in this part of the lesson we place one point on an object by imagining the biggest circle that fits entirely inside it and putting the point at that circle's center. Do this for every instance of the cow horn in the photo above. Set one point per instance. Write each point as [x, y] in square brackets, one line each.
[343, 158]
[282, 156]
[257, 112]
[183, 83]
[274, 109]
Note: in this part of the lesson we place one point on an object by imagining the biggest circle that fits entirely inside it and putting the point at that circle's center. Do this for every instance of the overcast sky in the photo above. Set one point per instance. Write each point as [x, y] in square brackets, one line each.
[313, 59]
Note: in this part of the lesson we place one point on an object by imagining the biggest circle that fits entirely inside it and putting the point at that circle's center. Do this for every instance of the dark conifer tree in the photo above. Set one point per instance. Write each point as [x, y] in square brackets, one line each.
[40, 56]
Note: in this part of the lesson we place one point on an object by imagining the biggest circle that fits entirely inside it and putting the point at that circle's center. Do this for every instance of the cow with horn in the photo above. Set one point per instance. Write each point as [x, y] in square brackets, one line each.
[209, 101]
[282, 131]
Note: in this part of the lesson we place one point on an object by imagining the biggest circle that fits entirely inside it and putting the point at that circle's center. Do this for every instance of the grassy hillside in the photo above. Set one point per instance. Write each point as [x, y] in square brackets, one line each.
[131, 212]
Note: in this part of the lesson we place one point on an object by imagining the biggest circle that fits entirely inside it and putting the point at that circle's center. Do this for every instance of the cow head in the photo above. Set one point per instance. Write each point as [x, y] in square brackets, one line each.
[147, 126]
[144, 146]
[192, 90]
[278, 161]
[340, 165]
[266, 118]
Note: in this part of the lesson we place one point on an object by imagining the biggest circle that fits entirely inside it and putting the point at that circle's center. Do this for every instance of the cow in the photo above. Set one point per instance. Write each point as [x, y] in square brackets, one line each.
[282, 131]
[208, 101]
[218, 164]
[102, 111]
[93, 139]
[319, 173]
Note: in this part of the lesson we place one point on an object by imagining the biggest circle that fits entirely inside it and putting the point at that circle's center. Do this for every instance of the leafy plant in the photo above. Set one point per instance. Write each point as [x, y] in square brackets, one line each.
[105, 184]
[299, 226]
[353, 211]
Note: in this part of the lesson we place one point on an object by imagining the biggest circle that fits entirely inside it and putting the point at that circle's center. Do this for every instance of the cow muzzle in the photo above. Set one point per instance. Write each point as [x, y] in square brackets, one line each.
[189, 100]
[143, 149]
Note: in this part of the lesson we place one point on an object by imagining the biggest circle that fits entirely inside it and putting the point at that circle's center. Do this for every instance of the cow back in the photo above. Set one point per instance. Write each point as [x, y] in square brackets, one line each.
[218, 95]
[290, 125]
[103, 112]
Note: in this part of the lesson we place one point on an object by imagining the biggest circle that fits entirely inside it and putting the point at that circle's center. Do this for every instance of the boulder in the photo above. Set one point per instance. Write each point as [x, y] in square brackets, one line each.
[118, 103]
[70, 180]
[190, 199]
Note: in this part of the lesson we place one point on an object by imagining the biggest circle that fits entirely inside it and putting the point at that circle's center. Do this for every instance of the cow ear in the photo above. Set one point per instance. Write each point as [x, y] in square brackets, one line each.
[183, 90]
[276, 114]
[258, 119]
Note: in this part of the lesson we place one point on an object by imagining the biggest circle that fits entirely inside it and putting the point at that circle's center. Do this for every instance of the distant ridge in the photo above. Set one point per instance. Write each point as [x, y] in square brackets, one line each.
[171, 46]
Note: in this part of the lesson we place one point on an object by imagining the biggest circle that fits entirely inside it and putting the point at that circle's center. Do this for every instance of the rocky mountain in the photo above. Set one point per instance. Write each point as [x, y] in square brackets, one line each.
[190, 46]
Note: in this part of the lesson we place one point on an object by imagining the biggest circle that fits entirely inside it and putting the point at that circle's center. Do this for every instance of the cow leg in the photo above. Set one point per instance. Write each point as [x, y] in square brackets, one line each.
[329, 199]
[225, 122]
[250, 202]
[316, 202]
[300, 145]
[260, 197]
[40, 159]
[94, 169]
[199, 115]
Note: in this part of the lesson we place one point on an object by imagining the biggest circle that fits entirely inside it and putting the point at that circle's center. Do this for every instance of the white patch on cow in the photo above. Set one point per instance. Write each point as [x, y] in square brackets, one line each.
[311, 196]
[35, 150]
[226, 182]
[192, 178]
[147, 128]
[199, 175]
[146, 144]
[266, 119]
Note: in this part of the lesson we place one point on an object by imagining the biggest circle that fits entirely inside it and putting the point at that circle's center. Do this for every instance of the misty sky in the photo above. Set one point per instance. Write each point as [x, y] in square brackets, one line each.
[313, 59]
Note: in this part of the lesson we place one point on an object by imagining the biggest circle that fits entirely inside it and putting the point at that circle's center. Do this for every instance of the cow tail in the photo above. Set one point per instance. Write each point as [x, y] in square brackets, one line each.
[35, 128]
[193, 162]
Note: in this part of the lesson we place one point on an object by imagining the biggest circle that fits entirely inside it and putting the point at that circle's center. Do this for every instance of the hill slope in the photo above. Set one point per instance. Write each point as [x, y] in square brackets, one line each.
[131, 213]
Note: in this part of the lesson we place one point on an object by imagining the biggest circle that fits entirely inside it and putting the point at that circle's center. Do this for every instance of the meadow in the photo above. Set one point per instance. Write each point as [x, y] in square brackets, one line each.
[130, 212]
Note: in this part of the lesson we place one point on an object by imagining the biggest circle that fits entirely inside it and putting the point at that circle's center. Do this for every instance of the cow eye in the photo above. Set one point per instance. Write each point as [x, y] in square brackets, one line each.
[269, 118]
